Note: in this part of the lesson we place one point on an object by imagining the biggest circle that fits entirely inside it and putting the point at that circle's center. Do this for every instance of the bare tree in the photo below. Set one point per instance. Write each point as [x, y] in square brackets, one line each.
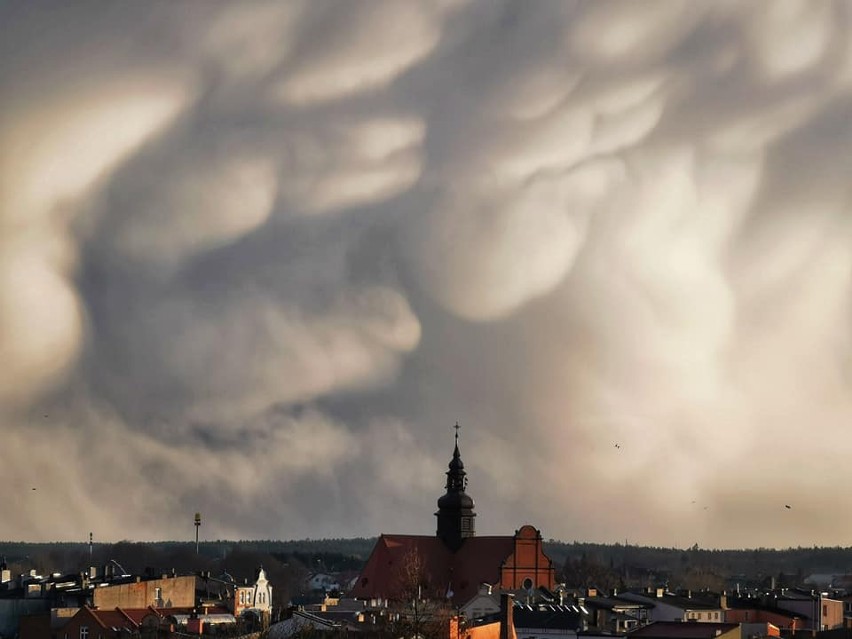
[422, 610]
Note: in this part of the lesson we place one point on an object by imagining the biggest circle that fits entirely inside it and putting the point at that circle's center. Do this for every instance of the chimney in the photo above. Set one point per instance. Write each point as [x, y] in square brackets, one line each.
[507, 619]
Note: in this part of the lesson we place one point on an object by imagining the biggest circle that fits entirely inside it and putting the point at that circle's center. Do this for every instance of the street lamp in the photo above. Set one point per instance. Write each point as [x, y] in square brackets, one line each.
[197, 526]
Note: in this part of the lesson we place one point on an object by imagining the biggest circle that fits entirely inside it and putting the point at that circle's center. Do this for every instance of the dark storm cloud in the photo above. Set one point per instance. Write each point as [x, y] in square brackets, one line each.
[258, 258]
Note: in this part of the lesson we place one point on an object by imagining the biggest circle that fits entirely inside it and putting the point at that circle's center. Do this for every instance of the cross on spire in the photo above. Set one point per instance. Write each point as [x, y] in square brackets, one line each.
[455, 508]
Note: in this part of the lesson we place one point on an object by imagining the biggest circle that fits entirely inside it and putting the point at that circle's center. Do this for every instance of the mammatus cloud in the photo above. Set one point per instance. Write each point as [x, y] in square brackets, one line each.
[256, 260]
[52, 160]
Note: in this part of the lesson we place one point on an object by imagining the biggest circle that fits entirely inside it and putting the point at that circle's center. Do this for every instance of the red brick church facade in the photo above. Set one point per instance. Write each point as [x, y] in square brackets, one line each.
[455, 562]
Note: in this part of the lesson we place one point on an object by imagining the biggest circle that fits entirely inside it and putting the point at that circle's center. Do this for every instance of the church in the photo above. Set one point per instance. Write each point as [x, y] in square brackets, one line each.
[455, 562]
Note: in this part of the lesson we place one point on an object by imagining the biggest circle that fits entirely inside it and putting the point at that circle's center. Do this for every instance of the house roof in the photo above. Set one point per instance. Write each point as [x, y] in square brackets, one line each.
[211, 618]
[138, 614]
[303, 619]
[684, 603]
[756, 604]
[561, 619]
[610, 603]
[115, 619]
[682, 630]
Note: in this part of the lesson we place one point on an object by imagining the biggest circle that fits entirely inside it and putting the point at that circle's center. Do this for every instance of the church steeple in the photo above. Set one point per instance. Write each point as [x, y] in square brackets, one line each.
[455, 508]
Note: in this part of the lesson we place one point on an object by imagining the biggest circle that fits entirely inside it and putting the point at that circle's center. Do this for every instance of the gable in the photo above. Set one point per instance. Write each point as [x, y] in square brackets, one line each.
[527, 566]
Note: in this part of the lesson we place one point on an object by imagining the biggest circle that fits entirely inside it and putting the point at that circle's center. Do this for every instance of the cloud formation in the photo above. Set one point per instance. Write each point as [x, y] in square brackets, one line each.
[256, 260]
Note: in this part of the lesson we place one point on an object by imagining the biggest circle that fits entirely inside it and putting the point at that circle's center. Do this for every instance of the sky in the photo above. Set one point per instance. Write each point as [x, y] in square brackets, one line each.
[257, 259]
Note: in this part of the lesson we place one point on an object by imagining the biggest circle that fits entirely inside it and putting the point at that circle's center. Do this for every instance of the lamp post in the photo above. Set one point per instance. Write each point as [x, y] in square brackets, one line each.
[197, 526]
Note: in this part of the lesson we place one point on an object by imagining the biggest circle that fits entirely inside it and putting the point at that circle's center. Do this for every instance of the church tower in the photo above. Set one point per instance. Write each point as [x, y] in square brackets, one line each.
[455, 508]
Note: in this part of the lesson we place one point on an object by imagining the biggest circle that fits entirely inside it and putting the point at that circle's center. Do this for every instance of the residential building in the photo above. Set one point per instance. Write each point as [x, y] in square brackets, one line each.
[752, 610]
[615, 614]
[667, 606]
[322, 581]
[254, 599]
[819, 611]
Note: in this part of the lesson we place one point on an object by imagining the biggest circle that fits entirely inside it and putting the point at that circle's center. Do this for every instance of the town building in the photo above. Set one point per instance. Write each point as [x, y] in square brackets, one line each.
[751, 610]
[668, 606]
[101, 604]
[820, 611]
[454, 563]
[614, 614]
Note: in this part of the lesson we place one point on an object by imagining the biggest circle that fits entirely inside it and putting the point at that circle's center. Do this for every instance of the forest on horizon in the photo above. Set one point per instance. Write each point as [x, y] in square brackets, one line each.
[578, 565]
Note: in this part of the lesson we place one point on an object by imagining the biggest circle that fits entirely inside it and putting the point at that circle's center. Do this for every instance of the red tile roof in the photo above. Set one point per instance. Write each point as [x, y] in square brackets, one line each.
[113, 619]
[397, 561]
[138, 614]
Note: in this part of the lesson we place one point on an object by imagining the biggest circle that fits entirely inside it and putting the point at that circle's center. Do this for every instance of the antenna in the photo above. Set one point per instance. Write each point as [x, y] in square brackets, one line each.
[197, 526]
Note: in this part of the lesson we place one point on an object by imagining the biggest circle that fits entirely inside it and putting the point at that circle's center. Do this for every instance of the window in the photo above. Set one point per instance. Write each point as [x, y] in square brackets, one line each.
[84, 632]
[158, 594]
[242, 596]
[528, 583]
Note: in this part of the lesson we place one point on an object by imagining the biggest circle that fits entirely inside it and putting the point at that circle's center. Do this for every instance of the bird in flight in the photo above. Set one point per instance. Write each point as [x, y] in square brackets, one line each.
[788, 506]
[618, 445]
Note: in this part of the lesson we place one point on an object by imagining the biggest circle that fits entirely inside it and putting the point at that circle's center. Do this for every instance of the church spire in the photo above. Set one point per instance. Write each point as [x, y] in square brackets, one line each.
[455, 508]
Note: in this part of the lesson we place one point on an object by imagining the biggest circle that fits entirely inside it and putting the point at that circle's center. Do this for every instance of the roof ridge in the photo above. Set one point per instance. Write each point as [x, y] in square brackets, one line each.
[126, 616]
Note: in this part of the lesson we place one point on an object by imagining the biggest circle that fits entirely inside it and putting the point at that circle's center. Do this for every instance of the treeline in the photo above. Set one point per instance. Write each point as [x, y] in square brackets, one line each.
[619, 566]
[750, 562]
[289, 562]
